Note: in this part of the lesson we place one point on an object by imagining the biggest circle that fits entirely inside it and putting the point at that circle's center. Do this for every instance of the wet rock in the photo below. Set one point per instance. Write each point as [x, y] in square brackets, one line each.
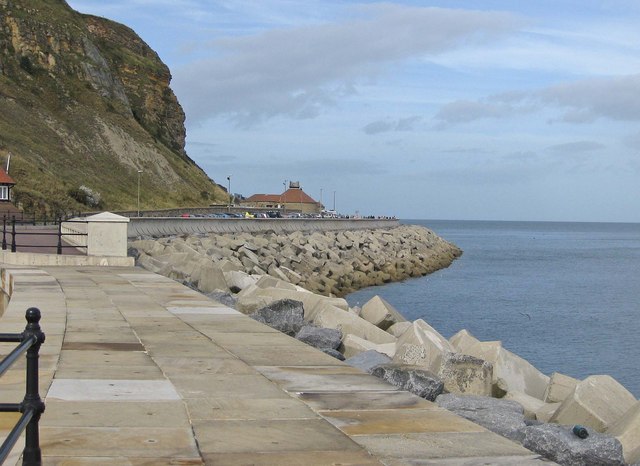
[420, 382]
[319, 337]
[367, 360]
[285, 316]
[334, 353]
[558, 443]
[504, 417]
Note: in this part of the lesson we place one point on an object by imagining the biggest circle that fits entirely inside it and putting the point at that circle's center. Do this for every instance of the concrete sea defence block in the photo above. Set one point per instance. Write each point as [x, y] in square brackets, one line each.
[333, 317]
[510, 371]
[381, 313]
[463, 340]
[238, 281]
[627, 431]
[353, 345]
[546, 411]
[464, 374]
[599, 401]
[560, 386]
[211, 278]
[529, 404]
[422, 346]
[399, 328]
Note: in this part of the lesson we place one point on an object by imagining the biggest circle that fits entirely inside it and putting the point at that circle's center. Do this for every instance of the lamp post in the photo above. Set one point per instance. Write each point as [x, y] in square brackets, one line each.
[284, 202]
[229, 191]
[334, 201]
[139, 173]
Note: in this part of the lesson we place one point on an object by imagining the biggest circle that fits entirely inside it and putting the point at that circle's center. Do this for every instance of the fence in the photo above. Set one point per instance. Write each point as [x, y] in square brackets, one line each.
[9, 228]
[32, 406]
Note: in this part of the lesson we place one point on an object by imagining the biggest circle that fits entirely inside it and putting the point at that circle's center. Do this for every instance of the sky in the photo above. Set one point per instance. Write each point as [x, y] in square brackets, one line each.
[459, 109]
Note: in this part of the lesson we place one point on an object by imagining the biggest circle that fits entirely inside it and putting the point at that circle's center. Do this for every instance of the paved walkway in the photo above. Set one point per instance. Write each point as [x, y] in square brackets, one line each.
[140, 370]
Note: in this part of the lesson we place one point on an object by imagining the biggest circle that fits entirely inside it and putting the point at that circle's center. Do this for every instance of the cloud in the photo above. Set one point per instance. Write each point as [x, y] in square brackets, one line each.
[616, 98]
[388, 125]
[464, 111]
[584, 101]
[576, 147]
[299, 71]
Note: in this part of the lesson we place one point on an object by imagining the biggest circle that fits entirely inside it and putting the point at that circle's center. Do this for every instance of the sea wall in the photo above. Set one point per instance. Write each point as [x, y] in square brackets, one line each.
[156, 227]
[325, 262]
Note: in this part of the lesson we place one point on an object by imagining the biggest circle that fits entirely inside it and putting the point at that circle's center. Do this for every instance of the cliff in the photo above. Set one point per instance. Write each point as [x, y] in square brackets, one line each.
[86, 103]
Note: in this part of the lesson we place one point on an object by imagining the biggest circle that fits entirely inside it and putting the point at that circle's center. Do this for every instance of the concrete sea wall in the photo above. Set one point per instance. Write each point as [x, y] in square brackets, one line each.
[156, 227]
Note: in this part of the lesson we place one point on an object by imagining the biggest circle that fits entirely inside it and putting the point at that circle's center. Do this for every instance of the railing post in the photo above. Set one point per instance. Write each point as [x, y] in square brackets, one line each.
[4, 232]
[13, 233]
[59, 250]
[32, 454]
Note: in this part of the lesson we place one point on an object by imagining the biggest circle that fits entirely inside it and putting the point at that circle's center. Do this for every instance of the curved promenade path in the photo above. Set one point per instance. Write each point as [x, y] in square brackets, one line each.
[140, 370]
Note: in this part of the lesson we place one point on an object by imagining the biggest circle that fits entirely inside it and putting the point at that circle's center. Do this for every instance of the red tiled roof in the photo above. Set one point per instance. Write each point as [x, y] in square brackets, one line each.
[290, 196]
[4, 178]
[264, 198]
[298, 196]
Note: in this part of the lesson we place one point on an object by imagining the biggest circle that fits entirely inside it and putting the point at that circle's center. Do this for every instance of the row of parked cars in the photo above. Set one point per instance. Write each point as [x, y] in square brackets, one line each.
[273, 214]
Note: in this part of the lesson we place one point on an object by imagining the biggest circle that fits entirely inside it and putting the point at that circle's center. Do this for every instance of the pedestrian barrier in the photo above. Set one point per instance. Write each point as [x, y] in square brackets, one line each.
[32, 405]
[59, 234]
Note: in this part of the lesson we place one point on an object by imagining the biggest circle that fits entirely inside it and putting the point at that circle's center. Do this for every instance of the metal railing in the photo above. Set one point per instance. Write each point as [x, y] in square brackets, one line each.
[32, 406]
[59, 234]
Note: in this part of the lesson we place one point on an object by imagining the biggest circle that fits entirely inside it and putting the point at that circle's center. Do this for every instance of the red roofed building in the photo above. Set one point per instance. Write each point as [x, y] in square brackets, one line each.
[6, 183]
[293, 199]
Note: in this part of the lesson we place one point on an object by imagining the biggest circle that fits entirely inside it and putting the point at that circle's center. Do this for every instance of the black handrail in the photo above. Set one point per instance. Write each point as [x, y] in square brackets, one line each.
[32, 405]
[58, 234]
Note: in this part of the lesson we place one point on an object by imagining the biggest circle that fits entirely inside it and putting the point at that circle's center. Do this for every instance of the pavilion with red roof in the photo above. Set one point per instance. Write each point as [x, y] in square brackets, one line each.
[293, 199]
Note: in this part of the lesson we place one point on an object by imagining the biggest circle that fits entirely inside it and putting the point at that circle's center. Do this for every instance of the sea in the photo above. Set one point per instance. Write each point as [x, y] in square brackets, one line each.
[564, 296]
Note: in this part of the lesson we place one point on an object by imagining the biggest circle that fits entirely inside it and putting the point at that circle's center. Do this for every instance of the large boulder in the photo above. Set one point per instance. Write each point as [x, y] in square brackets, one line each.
[285, 316]
[380, 313]
[367, 360]
[417, 381]
[560, 386]
[353, 345]
[422, 346]
[504, 417]
[320, 337]
[599, 401]
[627, 431]
[347, 322]
[558, 443]
[465, 374]
[511, 373]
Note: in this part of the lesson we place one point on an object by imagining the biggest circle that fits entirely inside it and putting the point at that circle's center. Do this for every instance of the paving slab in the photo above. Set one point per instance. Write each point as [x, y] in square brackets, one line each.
[141, 370]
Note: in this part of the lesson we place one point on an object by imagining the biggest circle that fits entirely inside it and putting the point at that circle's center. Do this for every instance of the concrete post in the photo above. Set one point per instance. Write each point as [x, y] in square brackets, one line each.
[107, 235]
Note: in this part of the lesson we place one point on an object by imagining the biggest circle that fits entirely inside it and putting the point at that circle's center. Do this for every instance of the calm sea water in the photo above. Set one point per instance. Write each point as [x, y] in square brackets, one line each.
[564, 296]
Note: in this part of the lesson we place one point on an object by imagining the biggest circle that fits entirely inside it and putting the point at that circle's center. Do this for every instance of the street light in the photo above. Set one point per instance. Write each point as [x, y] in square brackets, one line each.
[139, 173]
[229, 180]
[334, 201]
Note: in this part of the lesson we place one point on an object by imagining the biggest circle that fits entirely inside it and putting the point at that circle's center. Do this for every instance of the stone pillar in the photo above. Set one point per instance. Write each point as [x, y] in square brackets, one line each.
[107, 235]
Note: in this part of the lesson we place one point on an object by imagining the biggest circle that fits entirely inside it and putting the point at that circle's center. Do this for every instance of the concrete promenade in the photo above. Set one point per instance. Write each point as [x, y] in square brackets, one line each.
[140, 370]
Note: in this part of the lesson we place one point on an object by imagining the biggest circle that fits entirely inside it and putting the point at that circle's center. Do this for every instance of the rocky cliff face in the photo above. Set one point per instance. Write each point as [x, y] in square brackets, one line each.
[85, 102]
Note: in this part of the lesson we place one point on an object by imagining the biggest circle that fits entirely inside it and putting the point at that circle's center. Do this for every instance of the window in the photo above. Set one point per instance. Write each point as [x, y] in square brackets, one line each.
[4, 193]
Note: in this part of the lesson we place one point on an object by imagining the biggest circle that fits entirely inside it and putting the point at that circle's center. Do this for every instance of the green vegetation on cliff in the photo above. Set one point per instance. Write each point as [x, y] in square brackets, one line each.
[85, 102]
